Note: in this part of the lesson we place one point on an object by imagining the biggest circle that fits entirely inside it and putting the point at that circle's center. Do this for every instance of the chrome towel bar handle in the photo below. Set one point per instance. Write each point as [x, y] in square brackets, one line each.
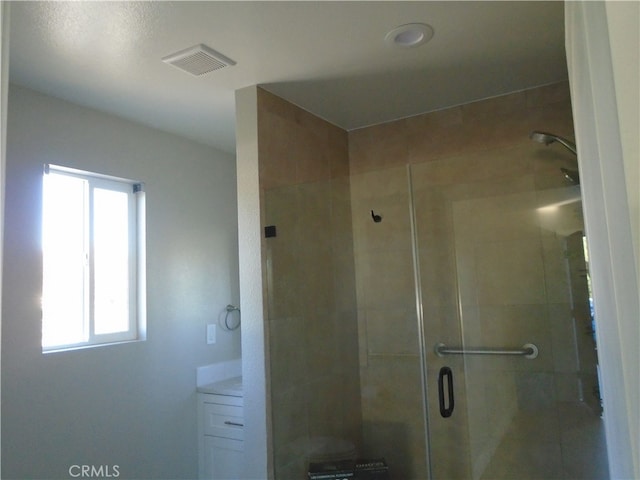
[528, 350]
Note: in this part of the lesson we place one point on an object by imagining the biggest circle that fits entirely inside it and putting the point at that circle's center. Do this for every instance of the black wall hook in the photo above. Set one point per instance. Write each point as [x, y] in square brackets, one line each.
[376, 218]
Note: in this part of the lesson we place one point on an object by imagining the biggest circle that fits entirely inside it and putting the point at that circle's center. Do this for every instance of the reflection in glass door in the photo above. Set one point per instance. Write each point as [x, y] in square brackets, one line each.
[513, 388]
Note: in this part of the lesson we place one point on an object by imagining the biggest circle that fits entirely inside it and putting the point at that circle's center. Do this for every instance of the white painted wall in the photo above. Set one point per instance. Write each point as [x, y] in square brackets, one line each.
[131, 405]
[257, 447]
[4, 90]
[606, 126]
[623, 20]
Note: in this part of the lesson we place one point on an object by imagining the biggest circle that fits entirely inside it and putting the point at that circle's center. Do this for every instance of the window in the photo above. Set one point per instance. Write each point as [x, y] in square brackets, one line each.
[93, 259]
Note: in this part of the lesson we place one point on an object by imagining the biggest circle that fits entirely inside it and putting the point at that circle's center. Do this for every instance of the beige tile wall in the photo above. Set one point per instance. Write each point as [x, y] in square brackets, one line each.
[315, 387]
[492, 272]
[341, 291]
[391, 385]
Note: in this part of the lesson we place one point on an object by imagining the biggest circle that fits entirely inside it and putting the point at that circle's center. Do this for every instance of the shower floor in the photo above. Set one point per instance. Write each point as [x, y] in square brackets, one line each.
[565, 444]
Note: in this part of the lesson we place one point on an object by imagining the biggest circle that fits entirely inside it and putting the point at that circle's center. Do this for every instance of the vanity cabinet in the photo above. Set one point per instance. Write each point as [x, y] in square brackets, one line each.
[220, 436]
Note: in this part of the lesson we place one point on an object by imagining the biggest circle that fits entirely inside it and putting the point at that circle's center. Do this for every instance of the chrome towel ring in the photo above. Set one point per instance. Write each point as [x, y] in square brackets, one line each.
[230, 309]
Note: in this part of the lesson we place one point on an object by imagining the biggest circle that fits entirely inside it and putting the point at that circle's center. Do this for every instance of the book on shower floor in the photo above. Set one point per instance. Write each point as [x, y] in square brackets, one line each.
[342, 470]
[371, 470]
[376, 469]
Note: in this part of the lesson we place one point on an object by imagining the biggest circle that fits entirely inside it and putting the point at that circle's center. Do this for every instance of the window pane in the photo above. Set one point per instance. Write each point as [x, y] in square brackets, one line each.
[90, 259]
[111, 261]
[64, 261]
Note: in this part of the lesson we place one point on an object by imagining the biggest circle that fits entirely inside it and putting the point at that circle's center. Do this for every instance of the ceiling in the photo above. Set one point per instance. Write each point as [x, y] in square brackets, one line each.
[327, 57]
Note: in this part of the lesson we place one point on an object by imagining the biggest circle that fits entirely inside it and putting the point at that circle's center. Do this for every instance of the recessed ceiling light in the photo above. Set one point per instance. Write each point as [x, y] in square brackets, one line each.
[409, 35]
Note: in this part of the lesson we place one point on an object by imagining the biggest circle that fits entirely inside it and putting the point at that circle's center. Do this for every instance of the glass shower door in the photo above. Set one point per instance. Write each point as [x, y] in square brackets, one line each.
[513, 390]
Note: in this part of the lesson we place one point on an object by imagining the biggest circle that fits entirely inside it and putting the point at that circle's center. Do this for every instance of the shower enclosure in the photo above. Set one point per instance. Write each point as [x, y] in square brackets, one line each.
[428, 296]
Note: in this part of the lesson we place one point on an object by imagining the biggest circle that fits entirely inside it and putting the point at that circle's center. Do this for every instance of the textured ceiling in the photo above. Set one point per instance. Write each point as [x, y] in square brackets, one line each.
[328, 57]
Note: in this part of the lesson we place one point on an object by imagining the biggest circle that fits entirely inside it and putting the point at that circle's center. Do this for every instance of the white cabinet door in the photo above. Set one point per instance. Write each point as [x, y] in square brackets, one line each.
[223, 458]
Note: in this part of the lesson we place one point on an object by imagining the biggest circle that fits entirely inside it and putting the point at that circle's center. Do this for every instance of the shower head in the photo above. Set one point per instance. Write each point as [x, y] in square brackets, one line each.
[548, 138]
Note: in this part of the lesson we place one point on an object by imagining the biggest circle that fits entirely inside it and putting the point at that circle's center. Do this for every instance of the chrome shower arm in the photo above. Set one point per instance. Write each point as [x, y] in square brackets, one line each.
[548, 138]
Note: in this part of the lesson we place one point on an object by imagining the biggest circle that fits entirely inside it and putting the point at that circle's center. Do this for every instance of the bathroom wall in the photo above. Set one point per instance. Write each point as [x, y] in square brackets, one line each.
[310, 287]
[131, 405]
[493, 273]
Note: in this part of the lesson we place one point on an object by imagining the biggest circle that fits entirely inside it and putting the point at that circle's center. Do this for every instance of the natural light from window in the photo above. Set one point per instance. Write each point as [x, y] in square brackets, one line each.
[65, 246]
[90, 260]
[111, 261]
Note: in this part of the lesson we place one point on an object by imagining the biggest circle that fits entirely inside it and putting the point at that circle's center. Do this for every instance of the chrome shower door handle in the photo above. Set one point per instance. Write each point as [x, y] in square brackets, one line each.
[445, 411]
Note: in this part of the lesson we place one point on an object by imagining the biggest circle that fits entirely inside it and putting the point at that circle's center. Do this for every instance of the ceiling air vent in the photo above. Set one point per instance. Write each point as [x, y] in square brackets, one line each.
[198, 60]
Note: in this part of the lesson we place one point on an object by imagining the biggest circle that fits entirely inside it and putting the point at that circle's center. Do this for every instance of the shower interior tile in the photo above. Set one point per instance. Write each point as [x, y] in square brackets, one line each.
[320, 348]
[442, 325]
[308, 149]
[491, 406]
[392, 331]
[510, 273]
[541, 426]
[287, 352]
[402, 446]
[283, 288]
[338, 152]
[277, 166]
[512, 326]
[563, 335]
[325, 407]
[282, 208]
[296, 468]
[314, 212]
[588, 443]
[387, 278]
[434, 221]
[548, 95]
[583, 437]
[559, 211]
[494, 108]
[388, 182]
[290, 424]
[344, 287]
[392, 387]
[568, 387]
[378, 147]
[316, 291]
[524, 460]
[536, 391]
[438, 274]
[496, 187]
[449, 117]
[340, 215]
[466, 270]
[393, 232]
[556, 274]
[346, 341]
[512, 164]
[363, 346]
[458, 169]
[497, 218]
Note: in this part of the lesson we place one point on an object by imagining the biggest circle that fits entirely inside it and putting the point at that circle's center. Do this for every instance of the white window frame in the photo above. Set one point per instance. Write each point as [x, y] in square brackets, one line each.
[136, 329]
